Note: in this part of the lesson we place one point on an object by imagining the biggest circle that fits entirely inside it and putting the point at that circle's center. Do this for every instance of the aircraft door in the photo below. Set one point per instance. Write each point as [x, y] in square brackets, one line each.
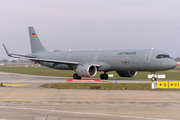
[95, 57]
[148, 56]
[69, 57]
[42, 55]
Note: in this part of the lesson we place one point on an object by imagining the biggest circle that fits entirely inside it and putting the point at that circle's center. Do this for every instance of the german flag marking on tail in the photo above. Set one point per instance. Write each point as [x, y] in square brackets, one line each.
[33, 35]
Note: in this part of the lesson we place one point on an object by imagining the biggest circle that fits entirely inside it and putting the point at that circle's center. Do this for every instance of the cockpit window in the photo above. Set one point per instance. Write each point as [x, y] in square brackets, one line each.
[162, 56]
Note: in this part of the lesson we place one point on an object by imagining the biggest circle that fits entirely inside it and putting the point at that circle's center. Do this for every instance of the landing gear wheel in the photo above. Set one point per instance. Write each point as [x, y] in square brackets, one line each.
[104, 76]
[153, 79]
[75, 76]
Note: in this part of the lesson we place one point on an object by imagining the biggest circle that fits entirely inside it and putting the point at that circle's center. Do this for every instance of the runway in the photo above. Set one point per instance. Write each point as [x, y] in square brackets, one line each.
[28, 101]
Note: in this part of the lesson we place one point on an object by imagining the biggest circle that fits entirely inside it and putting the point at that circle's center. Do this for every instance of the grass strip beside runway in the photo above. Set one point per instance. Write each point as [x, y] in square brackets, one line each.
[104, 86]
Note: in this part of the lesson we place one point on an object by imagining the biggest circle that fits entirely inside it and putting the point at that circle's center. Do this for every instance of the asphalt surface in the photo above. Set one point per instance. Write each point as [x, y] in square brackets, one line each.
[23, 99]
[176, 69]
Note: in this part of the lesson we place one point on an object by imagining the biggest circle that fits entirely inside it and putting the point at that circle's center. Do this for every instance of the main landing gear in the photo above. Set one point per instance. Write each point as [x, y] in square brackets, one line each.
[153, 76]
[104, 76]
[75, 76]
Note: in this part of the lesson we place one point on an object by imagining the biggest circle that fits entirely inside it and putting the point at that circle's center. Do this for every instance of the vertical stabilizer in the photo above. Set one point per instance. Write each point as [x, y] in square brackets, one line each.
[36, 45]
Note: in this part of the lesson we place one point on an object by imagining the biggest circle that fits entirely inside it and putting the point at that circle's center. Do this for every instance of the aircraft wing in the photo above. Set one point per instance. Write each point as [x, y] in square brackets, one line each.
[15, 55]
[61, 61]
[33, 58]
[54, 61]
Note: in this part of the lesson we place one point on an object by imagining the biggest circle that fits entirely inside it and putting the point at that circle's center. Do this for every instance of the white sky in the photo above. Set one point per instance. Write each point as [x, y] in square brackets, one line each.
[91, 24]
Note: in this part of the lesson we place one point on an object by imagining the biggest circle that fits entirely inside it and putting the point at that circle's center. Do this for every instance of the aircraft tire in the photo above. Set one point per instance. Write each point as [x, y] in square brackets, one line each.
[75, 76]
[104, 76]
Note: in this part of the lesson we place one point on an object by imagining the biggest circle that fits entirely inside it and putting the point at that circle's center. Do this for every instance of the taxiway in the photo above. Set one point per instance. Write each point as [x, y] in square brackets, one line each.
[27, 101]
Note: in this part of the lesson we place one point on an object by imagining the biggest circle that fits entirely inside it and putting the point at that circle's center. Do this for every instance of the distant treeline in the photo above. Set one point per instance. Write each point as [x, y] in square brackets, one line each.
[14, 61]
[177, 59]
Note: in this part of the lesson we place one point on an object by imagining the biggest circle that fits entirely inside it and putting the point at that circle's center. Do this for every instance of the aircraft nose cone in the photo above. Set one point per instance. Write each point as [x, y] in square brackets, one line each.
[172, 64]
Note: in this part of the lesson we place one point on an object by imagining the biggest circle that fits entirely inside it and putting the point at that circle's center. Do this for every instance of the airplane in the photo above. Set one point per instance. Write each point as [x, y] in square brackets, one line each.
[87, 63]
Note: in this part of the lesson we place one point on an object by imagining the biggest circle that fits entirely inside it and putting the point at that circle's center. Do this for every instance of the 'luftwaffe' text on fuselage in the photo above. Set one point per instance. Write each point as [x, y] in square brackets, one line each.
[127, 53]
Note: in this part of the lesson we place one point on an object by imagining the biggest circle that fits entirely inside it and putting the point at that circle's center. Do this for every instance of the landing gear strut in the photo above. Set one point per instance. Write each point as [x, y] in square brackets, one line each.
[104, 76]
[75, 76]
[153, 76]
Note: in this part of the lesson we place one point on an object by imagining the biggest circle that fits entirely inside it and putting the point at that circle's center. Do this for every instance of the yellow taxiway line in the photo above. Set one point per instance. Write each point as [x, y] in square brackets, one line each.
[16, 84]
[108, 81]
[21, 80]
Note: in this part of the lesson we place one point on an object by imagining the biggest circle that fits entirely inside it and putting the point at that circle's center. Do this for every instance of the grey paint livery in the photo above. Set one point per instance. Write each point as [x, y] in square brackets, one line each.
[85, 62]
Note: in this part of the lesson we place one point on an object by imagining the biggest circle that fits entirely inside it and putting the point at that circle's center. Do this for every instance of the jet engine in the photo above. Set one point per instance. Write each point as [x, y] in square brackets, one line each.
[127, 73]
[86, 70]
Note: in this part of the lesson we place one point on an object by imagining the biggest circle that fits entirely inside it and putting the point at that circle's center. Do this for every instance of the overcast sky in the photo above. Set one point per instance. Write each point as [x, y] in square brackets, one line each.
[91, 25]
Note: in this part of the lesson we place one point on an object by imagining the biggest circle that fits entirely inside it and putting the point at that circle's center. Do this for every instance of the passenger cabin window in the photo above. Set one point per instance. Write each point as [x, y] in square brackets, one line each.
[162, 56]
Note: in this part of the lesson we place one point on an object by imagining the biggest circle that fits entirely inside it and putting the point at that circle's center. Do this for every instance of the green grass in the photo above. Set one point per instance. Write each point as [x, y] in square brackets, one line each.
[105, 86]
[109, 86]
[44, 71]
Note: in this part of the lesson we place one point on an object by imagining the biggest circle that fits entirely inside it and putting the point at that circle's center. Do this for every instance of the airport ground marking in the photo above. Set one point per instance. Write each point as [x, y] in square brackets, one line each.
[27, 78]
[13, 83]
[162, 84]
[60, 103]
[45, 102]
[147, 81]
[108, 81]
[174, 84]
[83, 113]
[167, 84]
[16, 84]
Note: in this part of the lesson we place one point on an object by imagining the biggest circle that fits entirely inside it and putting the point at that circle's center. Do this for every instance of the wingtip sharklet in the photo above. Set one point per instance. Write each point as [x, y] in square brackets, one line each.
[9, 54]
[7, 51]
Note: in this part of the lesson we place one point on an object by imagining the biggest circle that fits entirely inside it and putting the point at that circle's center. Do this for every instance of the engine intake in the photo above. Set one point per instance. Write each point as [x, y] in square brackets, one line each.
[86, 70]
[127, 73]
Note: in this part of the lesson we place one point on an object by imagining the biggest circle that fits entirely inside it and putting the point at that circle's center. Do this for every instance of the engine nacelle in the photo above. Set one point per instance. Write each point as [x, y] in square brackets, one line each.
[86, 70]
[127, 73]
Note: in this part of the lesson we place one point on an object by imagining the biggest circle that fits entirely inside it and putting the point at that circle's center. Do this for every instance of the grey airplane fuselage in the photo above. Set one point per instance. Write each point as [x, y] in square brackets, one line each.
[86, 63]
[111, 60]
